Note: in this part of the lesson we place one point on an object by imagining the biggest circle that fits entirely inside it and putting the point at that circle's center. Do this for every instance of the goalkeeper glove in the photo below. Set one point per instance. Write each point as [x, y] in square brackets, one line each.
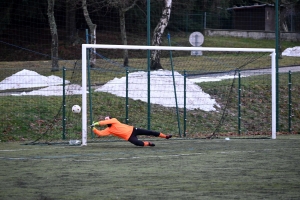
[94, 124]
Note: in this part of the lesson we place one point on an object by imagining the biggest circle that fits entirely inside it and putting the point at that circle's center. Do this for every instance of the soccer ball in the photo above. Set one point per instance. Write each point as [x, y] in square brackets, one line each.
[76, 109]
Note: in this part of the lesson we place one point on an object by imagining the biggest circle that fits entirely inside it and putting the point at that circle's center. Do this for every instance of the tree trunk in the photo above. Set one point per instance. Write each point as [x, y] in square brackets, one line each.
[279, 31]
[123, 7]
[92, 28]
[54, 36]
[157, 36]
[71, 31]
[123, 35]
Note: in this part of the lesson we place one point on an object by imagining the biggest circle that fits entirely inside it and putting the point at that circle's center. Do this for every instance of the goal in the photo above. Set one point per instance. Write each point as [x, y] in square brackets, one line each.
[221, 91]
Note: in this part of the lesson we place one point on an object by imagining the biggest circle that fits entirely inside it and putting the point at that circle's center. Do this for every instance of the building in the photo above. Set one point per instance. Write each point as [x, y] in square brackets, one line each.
[255, 17]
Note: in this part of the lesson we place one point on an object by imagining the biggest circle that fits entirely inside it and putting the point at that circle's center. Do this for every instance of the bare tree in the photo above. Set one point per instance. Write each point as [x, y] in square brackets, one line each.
[54, 35]
[123, 6]
[92, 28]
[157, 36]
[289, 6]
[281, 22]
[71, 30]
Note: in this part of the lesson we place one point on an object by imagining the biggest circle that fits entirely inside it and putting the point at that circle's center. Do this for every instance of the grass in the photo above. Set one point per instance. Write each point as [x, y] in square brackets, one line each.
[173, 169]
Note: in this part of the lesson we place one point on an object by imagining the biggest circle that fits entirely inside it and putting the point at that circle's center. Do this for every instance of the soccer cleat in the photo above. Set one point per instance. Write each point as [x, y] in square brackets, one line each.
[151, 144]
[168, 136]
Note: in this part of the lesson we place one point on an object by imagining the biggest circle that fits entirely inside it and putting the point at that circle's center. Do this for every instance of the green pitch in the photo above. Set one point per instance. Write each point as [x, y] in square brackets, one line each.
[173, 169]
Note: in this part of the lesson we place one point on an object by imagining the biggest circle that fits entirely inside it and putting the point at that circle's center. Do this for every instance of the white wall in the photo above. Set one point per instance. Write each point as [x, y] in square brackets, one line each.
[252, 34]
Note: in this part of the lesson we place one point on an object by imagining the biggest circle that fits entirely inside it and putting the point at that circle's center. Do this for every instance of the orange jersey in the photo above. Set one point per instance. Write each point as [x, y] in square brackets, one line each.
[117, 129]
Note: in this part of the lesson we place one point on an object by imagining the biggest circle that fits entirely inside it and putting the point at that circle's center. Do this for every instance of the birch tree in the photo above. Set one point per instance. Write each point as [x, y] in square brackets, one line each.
[54, 35]
[157, 36]
[92, 28]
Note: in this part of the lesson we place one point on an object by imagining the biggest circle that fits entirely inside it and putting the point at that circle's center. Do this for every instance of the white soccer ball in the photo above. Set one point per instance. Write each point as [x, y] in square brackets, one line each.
[76, 109]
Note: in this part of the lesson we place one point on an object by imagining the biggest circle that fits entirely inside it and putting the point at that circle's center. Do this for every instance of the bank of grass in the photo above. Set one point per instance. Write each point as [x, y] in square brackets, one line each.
[26, 118]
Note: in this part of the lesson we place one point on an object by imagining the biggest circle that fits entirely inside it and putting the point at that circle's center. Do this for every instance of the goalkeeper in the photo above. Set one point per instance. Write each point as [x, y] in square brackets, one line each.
[126, 132]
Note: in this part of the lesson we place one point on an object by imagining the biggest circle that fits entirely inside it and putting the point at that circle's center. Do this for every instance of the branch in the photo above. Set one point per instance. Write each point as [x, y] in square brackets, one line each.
[129, 7]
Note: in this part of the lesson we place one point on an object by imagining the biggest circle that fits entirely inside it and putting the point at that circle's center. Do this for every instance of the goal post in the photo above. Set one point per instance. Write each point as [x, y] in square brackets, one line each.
[171, 48]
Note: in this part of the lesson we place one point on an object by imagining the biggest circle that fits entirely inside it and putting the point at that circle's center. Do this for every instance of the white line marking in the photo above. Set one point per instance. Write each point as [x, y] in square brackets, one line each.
[8, 150]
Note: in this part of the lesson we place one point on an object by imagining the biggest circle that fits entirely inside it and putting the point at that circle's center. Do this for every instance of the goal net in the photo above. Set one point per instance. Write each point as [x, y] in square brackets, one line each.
[217, 92]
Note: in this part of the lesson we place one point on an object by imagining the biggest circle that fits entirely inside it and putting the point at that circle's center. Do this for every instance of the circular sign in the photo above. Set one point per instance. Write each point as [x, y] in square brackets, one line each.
[196, 39]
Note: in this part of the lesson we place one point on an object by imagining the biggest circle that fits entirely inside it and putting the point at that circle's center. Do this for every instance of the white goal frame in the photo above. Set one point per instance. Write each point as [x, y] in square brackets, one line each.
[170, 48]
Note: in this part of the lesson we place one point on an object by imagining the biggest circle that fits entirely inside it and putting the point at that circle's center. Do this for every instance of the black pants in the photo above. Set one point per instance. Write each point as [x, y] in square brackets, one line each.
[138, 131]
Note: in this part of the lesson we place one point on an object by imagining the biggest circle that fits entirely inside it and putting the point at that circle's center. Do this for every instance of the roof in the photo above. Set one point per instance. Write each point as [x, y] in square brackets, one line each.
[248, 7]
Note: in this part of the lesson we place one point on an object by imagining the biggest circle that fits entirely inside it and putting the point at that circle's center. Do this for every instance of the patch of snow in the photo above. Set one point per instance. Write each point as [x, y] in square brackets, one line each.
[162, 90]
[295, 51]
[29, 79]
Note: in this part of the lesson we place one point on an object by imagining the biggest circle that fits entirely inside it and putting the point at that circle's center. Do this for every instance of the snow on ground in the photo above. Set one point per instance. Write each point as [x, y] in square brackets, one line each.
[162, 90]
[56, 90]
[29, 79]
[295, 51]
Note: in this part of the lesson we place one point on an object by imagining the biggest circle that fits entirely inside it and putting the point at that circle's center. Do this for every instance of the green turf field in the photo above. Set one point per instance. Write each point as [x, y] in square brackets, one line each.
[173, 169]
